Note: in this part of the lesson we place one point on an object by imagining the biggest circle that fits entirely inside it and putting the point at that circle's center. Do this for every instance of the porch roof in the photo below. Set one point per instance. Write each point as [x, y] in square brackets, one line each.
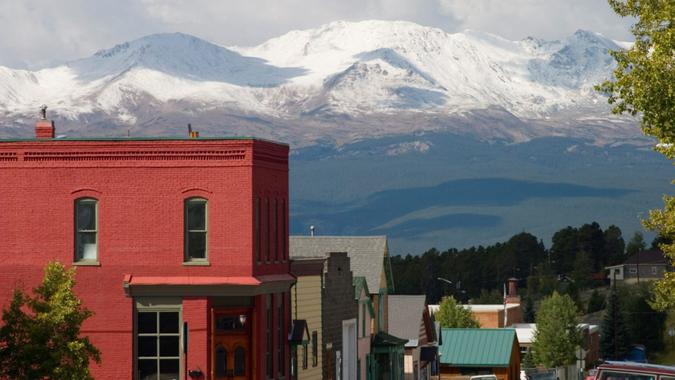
[205, 285]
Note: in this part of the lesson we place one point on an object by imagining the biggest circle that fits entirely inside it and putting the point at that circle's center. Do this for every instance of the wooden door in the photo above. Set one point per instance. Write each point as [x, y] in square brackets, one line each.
[231, 344]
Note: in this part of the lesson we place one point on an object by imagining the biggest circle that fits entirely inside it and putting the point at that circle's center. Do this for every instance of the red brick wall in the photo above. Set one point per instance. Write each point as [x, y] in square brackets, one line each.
[141, 187]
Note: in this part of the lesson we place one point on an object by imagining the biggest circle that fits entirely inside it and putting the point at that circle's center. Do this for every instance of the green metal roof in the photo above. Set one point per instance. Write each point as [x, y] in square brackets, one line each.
[477, 347]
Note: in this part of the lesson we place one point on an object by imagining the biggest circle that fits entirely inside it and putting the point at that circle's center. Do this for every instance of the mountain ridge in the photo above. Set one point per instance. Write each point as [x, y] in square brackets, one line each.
[340, 73]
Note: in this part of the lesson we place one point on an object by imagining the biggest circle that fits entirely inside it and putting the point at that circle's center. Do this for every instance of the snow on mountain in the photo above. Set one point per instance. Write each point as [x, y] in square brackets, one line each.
[343, 69]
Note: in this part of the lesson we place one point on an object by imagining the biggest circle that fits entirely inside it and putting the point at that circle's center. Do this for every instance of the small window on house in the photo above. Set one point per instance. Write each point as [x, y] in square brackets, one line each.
[195, 229]
[654, 270]
[632, 270]
[86, 229]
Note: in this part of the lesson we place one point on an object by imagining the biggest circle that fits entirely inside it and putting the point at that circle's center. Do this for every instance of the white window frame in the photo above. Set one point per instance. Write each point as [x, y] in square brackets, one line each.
[159, 305]
[78, 256]
[186, 256]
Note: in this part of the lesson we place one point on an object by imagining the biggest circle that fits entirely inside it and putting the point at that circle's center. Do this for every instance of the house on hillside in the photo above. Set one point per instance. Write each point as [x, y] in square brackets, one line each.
[647, 265]
[409, 319]
[470, 352]
[172, 238]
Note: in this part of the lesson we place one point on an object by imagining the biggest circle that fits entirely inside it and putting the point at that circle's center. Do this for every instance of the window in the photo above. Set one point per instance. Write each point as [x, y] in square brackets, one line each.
[654, 270]
[256, 223]
[86, 229]
[281, 319]
[315, 349]
[277, 230]
[363, 320]
[304, 355]
[268, 349]
[157, 345]
[621, 375]
[195, 229]
[632, 270]
[284, 232]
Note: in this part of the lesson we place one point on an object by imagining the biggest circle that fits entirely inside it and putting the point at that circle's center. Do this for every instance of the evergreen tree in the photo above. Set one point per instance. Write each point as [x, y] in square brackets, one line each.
[615, 246]
[614, 341]
[557, 336]
[644, 324]
[636, 244]
[528, 312]
[596, 302]
[40, 337]
[582, 273]
[452, 315]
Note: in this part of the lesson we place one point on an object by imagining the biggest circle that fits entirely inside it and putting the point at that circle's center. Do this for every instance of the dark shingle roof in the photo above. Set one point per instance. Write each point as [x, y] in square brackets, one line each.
[477, 347]
[653, 256]
[366, 253]
[405, 316]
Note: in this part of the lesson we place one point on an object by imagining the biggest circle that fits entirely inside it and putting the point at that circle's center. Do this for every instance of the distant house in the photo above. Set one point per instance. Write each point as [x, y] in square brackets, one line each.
[496, 315]
[409, 319]
[589, 350]
[491, 316]
[470, 352]
[643, 266]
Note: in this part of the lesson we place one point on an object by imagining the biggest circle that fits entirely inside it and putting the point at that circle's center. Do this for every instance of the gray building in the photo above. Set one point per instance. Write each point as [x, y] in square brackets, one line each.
[643, 266]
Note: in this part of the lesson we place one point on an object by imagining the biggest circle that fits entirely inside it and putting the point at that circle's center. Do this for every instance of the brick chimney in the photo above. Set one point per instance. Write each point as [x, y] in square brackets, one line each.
[44, 129]
[512, 295]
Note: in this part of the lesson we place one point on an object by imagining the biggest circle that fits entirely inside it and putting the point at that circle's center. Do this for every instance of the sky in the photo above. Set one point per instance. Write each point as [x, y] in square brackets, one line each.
[41, 33]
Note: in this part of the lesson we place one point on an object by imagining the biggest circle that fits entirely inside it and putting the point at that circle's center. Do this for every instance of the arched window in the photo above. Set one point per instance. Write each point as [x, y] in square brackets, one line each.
[239, 361]
[196, 226]
[221, 361]
[86, 229]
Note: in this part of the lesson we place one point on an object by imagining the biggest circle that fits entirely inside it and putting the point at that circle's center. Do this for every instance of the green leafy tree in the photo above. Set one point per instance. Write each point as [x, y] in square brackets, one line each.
[596, 302]
[528, 359]
[557, 336]
[644, 84]
[636, 244]
[40, 336]
[614, 340]
[452, 315]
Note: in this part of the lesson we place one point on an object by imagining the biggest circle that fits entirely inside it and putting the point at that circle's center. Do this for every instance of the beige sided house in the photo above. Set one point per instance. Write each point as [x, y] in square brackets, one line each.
[306, 306]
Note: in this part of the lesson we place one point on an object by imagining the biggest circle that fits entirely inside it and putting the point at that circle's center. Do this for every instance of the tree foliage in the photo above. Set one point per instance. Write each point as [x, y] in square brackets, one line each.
[644, 79]
[644, 84]
[557, 336]
[452, 315]
[614, 340]
[644, 324]
[596, 302]
[636, 244]
[40, 337]
[524, 256]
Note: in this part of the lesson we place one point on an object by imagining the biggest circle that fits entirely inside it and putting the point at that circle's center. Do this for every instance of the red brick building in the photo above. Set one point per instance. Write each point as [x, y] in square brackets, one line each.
[181, 248]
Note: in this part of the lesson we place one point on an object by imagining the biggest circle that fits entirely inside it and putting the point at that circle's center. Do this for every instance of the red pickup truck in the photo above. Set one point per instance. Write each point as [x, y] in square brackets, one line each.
[633, 371]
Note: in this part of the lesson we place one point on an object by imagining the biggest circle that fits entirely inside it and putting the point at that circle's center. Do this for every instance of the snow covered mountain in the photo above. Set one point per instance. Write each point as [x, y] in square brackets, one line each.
[341, 82]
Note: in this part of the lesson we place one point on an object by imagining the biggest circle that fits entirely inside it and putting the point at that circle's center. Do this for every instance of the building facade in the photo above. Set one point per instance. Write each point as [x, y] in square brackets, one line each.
[181, 248]
[307, 305]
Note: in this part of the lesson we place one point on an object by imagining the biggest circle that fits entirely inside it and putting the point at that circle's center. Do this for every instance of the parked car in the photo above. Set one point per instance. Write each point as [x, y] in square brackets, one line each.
[634, 371]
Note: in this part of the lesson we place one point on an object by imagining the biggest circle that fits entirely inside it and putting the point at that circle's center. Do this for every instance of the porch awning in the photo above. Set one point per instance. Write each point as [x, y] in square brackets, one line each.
[205, 285]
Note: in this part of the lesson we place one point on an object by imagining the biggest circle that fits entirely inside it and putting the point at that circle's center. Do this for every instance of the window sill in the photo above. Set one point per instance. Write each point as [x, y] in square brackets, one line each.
[196, 263]
[87, 263]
